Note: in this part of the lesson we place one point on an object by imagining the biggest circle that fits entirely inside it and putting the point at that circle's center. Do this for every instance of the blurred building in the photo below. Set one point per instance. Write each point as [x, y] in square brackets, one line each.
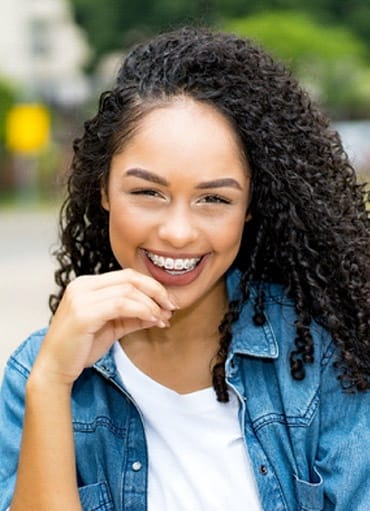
[43, 51]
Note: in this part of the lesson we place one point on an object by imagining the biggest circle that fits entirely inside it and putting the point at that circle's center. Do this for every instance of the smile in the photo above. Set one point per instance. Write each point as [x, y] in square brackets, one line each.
[176, 265]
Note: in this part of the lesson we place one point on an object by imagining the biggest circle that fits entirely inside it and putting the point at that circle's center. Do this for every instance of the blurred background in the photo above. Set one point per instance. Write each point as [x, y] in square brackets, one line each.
[56, 56]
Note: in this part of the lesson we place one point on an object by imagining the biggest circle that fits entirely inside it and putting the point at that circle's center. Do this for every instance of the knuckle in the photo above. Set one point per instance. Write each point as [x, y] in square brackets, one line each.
[76, 284]
[128, 287]
[73, 300]
[129, 273]
[154, 309]
[119, 303]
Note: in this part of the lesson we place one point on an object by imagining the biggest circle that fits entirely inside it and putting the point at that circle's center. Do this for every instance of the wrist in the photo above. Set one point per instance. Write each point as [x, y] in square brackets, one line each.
[46, 380]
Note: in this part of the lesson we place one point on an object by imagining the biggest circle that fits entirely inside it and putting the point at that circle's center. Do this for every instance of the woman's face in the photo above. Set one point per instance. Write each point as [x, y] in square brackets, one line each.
[177, 198]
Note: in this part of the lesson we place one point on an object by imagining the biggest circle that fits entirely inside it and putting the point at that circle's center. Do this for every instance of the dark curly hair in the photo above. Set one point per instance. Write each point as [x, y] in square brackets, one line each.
[309, 226]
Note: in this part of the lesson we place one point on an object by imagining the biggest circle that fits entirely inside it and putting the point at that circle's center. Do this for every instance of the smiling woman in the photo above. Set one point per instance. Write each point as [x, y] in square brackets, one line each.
[212, 306]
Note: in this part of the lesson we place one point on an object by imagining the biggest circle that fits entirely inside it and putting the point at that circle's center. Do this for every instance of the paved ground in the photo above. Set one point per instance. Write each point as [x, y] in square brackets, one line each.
[26, 274]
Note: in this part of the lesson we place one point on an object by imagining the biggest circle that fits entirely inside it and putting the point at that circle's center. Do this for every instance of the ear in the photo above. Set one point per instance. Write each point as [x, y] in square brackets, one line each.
[248, 217]
[104, 200]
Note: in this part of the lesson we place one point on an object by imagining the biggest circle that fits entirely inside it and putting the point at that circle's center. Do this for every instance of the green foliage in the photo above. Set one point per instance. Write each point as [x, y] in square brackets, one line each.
[354, 14]
[326, 43]
[7, 99]
[113, 24]
[294, 37]
[329, 60]
[110, 24]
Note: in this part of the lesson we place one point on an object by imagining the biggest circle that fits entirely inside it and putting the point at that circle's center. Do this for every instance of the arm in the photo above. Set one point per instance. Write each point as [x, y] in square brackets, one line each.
[46, 475]
[93, 313]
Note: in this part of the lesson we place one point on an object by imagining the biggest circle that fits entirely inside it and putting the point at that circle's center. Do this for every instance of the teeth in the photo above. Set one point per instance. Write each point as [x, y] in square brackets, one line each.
[174, 264]
[169, 264]
[178, 265]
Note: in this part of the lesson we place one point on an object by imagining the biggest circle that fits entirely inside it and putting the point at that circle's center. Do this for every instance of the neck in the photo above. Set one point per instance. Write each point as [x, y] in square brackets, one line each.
[198, 322]
[182, 355]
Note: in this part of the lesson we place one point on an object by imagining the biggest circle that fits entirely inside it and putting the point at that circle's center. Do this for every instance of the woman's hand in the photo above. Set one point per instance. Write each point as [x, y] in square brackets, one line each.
[95, 311]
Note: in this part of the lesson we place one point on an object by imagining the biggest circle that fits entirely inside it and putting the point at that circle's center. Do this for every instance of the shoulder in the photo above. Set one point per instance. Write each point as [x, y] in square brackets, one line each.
[22, 359]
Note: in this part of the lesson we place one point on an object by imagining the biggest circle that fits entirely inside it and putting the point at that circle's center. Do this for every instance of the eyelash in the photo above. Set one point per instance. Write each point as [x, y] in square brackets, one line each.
[216, 199]
[146, 191]
[208, 199]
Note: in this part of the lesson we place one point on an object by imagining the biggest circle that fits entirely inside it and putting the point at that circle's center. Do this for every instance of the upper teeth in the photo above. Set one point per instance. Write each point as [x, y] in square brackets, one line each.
[173, 264]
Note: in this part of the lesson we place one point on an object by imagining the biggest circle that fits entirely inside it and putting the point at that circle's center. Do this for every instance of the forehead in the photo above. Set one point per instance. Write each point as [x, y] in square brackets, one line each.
[186, 129]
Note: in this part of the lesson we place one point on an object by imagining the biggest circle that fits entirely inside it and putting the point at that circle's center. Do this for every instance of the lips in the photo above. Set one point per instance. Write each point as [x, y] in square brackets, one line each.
[173, 271]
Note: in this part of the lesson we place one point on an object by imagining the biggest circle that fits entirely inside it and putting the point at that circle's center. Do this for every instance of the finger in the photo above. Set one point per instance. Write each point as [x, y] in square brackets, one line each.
[87, 311]
[119, 308]
[120, 296]
[146, 284]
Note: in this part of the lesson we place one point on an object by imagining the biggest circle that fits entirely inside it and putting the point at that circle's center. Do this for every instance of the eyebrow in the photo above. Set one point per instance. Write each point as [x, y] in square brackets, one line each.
[154, 178]
[148, 176]
[220, 183]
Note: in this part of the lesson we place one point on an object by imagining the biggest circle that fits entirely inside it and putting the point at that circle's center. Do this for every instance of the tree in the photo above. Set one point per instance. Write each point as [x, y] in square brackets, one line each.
[297, 38]
[7, 100]
[323, 41]
[114, 24]
[353, 14]
[330, 60]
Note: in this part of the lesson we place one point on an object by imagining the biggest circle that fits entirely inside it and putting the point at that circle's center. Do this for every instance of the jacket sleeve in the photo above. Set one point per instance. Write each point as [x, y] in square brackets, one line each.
[343, 459]
[12, 401]
[11, 422]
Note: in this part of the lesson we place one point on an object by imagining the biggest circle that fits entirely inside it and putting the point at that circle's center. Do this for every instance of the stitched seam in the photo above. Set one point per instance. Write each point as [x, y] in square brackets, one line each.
[17, 366]
[91, 427]
[328, 355]
[293, 421]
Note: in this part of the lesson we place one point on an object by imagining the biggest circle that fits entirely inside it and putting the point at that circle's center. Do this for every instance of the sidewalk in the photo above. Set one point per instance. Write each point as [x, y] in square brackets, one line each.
[26, 274]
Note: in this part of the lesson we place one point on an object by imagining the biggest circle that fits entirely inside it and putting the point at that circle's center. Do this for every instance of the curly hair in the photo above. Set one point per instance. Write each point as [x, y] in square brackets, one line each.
[309, 227]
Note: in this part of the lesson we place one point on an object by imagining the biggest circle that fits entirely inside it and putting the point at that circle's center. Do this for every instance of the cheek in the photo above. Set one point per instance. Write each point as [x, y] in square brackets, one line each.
[227, 237]
[122, 235]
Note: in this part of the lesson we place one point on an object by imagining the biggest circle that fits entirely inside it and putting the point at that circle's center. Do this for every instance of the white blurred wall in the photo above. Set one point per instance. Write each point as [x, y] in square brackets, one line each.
[42, 50]
[26, 274]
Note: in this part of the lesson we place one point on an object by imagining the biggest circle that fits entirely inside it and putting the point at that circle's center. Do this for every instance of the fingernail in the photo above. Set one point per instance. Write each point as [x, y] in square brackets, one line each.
[163, 324]
[170, 306]
[173, 304]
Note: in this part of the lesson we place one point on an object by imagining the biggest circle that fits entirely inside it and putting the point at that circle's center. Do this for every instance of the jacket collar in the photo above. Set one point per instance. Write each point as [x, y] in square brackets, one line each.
[106, 364]
[247, 338]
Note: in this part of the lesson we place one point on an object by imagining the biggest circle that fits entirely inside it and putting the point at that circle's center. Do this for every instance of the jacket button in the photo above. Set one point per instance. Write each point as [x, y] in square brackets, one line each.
[263, 470]
[136, 466]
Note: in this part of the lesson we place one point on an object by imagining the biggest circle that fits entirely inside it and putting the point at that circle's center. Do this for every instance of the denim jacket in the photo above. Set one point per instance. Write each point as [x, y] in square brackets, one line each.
[308, 440]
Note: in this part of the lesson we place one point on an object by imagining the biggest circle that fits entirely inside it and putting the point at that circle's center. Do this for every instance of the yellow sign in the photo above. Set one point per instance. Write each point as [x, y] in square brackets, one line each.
[27, 128]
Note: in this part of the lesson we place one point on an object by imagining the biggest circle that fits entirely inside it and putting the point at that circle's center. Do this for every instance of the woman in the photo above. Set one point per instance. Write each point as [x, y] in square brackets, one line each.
[209, 346]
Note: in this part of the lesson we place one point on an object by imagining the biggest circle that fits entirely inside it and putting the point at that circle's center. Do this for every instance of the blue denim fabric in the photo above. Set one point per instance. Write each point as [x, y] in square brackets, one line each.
[308, 440]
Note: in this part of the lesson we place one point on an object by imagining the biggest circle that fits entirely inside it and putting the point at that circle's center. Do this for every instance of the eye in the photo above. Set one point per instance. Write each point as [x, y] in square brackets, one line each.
[146, 192]
[215, 199]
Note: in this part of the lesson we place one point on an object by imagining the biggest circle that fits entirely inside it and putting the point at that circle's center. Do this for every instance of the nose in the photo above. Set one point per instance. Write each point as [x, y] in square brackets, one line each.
[178, 227]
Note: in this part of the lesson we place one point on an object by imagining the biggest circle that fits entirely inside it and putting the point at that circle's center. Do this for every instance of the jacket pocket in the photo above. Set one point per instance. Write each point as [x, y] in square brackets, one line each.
[310, 494]
[96, 497]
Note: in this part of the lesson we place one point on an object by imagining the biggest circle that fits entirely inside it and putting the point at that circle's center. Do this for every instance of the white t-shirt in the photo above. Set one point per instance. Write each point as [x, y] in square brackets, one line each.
[197, 457]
